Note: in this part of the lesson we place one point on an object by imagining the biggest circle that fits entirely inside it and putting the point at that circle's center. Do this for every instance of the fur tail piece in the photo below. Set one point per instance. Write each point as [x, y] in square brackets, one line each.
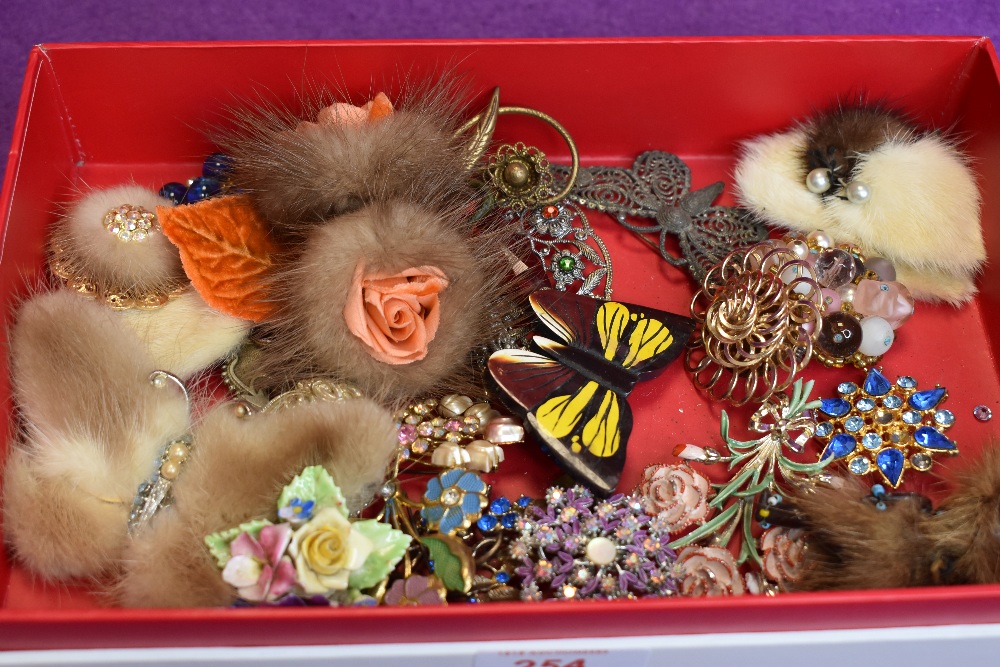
[852, 544]
[92, 425]
[966, 529]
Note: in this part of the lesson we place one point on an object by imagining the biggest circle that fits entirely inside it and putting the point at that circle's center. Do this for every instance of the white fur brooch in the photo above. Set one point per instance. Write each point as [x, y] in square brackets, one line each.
[867, 175]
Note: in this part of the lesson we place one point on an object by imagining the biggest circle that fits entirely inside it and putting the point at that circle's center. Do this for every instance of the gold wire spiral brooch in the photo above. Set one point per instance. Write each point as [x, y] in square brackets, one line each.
[756, 311]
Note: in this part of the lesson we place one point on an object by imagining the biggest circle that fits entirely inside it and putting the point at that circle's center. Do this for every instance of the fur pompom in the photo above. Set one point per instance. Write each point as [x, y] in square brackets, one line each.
[923, 211]
[235, 474]
[310, 336]
[966, 528]
[91, 426]
[301, 174]
[851, 544]
[380, 195]
[85, 248]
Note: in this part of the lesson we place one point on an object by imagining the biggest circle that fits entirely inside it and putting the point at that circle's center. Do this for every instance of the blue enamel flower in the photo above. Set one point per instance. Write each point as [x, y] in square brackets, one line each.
[453, 501]
[297, 510]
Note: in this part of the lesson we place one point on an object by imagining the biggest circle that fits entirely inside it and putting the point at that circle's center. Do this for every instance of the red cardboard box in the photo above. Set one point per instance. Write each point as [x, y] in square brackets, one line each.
[98, 115]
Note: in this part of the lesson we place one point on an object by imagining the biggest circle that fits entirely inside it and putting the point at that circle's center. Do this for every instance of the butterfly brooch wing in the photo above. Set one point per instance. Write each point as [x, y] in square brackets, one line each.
[572, 392]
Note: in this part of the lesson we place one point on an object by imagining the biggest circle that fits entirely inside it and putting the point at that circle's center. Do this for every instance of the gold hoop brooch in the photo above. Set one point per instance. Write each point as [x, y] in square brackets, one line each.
[756, 311]
[520, 175]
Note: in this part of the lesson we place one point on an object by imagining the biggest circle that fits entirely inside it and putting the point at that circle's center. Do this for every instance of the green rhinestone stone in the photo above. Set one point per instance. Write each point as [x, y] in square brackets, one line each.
[566, 264]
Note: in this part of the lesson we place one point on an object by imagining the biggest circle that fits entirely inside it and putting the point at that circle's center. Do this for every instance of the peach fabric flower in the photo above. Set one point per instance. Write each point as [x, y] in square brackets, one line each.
[395, 316]
[344, 114]
[707, 571]
[676, 494]
[783, 551]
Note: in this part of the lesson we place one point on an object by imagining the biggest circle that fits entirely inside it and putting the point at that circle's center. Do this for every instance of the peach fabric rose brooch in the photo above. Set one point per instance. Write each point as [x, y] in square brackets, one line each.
[783, 552]
[344, 114]
[676, 494]
[708, 571]
[395, 316]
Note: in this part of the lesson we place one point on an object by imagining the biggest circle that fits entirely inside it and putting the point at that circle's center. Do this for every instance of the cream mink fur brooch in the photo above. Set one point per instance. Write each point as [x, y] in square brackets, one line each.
[865, 174]
[348, 253]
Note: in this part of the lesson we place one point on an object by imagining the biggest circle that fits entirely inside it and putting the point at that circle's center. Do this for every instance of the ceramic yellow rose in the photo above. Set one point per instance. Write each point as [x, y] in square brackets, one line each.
[327, 550]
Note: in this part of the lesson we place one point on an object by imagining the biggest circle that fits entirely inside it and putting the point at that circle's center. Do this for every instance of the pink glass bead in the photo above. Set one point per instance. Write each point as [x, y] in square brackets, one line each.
[886, 299]
[831, 300]
[834, 268]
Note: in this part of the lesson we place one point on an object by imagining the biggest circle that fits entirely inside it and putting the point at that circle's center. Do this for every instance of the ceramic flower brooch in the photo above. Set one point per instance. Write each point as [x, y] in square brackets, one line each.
[315, 549]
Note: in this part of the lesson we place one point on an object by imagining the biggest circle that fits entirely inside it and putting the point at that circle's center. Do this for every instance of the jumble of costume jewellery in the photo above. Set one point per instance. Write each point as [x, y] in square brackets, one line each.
[293, 379]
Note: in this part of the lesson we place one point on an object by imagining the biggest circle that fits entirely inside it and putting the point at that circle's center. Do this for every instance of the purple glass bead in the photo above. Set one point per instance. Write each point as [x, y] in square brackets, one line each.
[840, 336]
[883, 267]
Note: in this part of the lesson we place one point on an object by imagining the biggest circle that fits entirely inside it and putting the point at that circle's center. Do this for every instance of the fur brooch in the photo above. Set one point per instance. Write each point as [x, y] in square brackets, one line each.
[866, 174]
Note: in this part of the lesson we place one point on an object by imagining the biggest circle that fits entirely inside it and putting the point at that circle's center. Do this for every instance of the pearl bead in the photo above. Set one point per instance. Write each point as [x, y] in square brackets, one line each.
[877, 336]
[858, 192]
[453, 405]
[601, 551]
[483, 412]
[170, 470]
[799, 247]
[820, 239]
[504, 431]
[484, 456]
[818, 180]
[449, 455]
[178, 452]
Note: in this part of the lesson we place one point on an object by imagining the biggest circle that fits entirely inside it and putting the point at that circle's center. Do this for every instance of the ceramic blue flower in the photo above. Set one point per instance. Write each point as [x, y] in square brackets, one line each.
[297, 510]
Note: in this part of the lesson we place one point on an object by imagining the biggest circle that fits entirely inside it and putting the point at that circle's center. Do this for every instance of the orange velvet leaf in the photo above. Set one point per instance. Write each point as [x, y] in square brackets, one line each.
[226, 253]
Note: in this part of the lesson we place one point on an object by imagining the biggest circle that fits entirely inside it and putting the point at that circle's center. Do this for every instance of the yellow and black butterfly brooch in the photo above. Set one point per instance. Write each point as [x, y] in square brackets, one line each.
[572, 394]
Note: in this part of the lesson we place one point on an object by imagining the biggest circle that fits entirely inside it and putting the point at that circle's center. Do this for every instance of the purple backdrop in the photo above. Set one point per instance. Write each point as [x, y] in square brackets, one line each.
[24, 23]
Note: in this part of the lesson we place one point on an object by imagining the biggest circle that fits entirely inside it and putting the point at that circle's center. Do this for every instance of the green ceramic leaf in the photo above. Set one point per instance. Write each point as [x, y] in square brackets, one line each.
[314, 483]
[218, 543]
[453, 561]
[390, 545]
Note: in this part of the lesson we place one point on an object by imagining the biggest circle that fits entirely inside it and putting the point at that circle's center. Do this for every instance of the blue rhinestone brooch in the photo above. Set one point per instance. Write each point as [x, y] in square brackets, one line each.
[885, 427]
